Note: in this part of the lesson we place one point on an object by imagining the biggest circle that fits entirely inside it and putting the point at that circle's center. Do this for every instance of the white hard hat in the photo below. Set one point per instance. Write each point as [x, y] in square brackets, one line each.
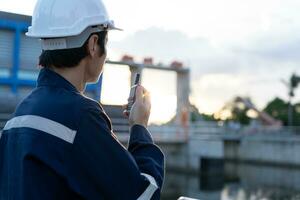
[63, 24]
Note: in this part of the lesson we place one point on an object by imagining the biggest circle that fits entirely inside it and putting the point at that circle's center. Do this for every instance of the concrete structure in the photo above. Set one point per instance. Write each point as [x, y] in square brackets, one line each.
[275, 150]
[183, 82]
[280, 148]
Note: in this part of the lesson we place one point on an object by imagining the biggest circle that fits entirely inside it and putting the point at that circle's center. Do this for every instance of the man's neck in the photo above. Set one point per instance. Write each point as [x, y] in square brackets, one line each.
[74, 75]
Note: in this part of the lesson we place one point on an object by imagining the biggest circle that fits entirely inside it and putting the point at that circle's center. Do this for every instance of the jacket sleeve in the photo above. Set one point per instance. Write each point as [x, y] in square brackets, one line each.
[99, 166]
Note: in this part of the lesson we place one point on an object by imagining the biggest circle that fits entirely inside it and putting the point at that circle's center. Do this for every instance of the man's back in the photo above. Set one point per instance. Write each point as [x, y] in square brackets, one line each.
[59, 145]
[33, 153]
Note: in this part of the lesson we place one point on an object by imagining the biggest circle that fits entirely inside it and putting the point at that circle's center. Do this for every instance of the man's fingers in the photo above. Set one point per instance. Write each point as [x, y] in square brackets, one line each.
[147, 99]
[139, 94]
[143, 96]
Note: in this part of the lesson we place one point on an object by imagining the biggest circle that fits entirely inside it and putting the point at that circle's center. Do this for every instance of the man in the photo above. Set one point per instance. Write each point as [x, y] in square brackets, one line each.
[59, 144]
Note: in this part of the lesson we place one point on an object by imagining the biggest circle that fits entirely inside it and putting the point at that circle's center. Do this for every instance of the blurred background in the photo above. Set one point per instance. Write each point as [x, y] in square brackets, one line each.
[223, 77]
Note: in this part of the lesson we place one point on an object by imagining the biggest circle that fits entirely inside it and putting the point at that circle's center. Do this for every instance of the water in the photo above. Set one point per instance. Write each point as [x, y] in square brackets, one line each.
[238, 182]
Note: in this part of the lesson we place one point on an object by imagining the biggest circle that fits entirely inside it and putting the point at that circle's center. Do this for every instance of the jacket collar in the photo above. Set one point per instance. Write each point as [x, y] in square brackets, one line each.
[48, 77]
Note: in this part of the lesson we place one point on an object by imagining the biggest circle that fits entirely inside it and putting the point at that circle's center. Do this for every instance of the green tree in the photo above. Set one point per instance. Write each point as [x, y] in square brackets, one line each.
[278, 109]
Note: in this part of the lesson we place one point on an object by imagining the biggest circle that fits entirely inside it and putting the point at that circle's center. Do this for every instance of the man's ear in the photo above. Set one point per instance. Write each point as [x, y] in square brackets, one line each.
[93, 45]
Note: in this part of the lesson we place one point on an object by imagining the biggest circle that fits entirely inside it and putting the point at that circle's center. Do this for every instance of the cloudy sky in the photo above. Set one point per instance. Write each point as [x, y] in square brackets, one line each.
[233, 47]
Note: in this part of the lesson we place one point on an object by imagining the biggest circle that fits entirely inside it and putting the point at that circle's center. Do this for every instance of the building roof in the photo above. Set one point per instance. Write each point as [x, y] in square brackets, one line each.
[15, 17]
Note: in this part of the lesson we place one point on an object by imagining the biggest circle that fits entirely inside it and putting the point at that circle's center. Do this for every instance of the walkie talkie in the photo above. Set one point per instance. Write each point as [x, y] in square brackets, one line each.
[132, 97]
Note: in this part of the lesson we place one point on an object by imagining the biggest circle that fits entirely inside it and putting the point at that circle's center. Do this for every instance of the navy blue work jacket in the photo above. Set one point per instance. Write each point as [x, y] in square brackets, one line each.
[60, 145]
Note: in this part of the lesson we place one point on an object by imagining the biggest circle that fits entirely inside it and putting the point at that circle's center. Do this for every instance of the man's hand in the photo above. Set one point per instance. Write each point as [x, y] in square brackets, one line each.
[140, 111]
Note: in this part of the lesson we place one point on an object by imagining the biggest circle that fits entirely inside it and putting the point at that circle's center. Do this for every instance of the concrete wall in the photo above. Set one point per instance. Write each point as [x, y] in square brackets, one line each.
[274, 150]
[175, 155]
[201, 147]
[186, 157]
[265, 149]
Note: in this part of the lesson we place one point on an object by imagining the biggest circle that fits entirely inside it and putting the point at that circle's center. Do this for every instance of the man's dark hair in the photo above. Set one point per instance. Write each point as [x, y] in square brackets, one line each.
[70, 57]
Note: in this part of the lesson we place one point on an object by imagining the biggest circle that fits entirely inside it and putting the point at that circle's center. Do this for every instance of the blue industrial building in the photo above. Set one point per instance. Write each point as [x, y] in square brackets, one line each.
[19, 58]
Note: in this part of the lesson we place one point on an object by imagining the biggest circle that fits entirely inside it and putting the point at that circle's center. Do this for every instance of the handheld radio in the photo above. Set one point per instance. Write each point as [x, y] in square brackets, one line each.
[132, 97]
